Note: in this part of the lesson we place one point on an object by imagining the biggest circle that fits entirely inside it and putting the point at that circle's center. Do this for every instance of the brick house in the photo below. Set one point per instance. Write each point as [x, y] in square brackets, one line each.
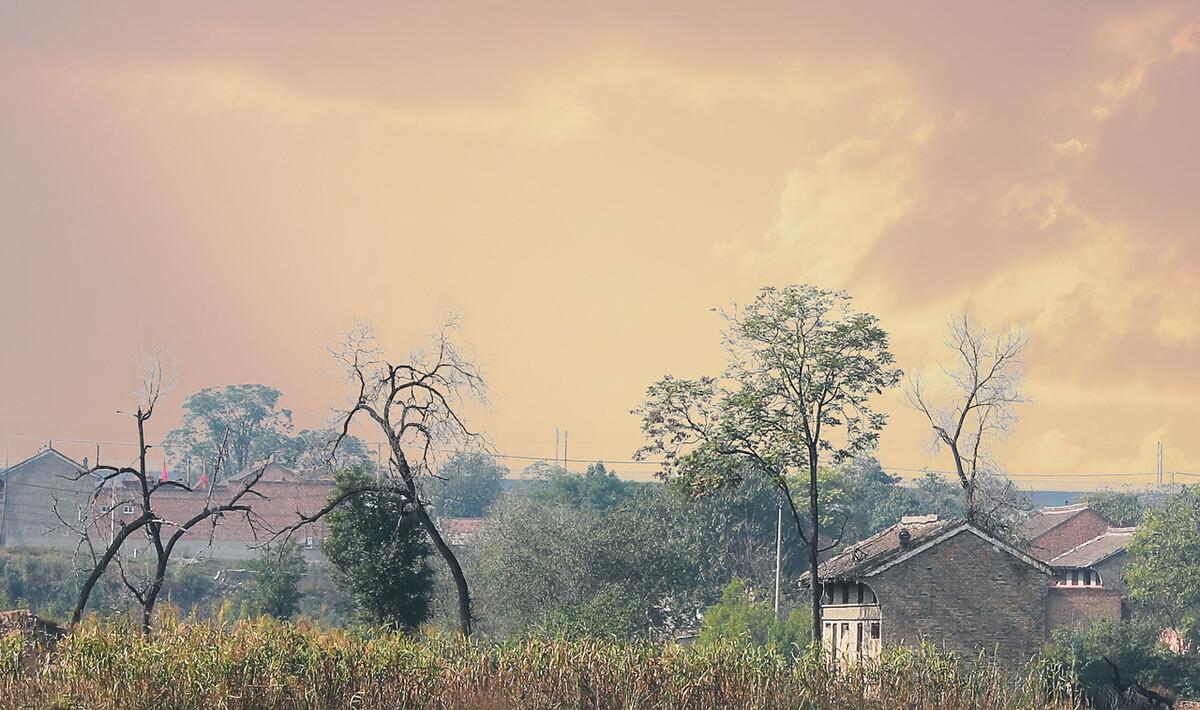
[33, 494]
[952, 584]
[942, 581]
[1090, 581]
[1052, 531]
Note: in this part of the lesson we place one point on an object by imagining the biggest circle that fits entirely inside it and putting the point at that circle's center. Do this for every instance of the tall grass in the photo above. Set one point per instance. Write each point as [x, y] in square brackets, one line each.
[266, 664]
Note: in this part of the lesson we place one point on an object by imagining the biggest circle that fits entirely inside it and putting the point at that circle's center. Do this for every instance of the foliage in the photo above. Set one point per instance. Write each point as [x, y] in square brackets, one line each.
[246, 419]
[469, 484]
[1163, 572]
[268, 665]
[597, 488]
[741, 618]
[314, 449]
[803, 367]
[1119, 508]
[379, 553]
[277, 575]
[1133, 647]
[542, 565]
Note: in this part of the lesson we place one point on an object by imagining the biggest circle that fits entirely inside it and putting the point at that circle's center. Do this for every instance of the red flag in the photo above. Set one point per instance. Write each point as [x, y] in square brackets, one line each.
[164, 473]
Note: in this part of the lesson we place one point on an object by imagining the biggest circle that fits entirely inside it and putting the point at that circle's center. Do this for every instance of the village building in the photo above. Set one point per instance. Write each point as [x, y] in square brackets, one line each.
[1090, 581]
[942, 581]
[1052, 531]
[36, 492]
[952, 584]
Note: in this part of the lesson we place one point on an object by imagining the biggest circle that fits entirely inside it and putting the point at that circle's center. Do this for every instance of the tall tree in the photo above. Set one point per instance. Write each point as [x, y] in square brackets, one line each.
[314, 449]
[417, 405]
[379, 553]
[243, 423]
[983, 390]
[803, 366]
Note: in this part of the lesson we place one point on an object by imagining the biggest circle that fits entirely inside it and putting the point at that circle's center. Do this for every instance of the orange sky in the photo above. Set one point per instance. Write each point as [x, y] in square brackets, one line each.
[239, 182]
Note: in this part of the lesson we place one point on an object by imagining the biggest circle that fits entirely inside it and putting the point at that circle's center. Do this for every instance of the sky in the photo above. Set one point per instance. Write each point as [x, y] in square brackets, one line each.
[238, 183]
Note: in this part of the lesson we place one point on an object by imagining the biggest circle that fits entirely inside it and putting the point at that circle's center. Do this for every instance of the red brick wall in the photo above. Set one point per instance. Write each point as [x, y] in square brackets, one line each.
[1080, 528]
[1076, 608]
[276, 511]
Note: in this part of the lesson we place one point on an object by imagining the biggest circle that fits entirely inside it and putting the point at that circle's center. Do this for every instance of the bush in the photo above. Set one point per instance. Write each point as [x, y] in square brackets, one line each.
[1133, 647]
[740, 619]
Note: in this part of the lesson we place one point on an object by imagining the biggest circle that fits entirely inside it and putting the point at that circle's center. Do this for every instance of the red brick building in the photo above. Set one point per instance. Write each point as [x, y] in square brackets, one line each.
[1052, 531]
[283, 495]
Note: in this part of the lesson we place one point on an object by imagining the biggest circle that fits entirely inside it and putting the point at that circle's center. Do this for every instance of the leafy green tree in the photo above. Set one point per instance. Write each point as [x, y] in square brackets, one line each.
[276, 586]
[469, 484]
[803, 367]
[379, 553]
[1119, 508]
[597, 488]
[1163, 572]
[742, 617]
[556, 567]
[245, 420]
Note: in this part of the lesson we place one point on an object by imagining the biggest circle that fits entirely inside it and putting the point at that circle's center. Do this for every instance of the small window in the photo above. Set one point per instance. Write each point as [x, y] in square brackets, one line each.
[309, 542]
[875, 630]
[127, 509]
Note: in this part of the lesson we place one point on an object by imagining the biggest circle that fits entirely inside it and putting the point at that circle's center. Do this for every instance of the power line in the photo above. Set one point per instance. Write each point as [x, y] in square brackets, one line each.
[635, 462]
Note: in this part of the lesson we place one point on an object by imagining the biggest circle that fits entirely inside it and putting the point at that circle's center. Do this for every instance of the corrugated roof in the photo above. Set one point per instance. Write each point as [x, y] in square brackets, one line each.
[1098, 549]
[1049, 518]
[879, 549]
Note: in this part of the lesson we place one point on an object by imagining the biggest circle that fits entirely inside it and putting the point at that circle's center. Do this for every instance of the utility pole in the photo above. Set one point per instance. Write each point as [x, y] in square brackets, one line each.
[778, 550]
[557, 462]
[1160, 464]
[565, 435]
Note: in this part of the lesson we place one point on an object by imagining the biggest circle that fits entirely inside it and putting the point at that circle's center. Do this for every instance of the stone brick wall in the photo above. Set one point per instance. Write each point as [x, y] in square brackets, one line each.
[1079, 607]
[1080, 528]
[966, 595]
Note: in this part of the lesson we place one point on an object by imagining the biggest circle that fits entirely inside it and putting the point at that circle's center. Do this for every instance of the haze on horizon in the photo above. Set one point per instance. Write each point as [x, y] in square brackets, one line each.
[238, 184]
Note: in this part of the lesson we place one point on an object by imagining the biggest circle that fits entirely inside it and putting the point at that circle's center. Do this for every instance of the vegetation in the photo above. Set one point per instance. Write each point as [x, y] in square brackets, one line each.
[1119, 508]
[740, 617]
[802, 369]
[268, 665]
[1163, 573]
[380, 555]
[276, 583]
[468, 485]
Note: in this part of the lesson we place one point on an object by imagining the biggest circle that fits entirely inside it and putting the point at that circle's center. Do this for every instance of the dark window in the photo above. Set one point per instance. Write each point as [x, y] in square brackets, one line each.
[845, 592]
[860, 592]
[875, 631]
[860, 639]
[1074, 577]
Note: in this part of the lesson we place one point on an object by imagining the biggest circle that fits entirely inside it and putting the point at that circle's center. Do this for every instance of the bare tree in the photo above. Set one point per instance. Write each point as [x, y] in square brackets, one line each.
[104, 539]
[979, 403]
[417, 406]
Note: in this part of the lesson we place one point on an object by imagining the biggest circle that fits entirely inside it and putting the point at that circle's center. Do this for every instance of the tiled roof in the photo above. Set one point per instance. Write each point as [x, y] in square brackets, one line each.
[879, 549]
[1049, 518]
[1098, 549]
